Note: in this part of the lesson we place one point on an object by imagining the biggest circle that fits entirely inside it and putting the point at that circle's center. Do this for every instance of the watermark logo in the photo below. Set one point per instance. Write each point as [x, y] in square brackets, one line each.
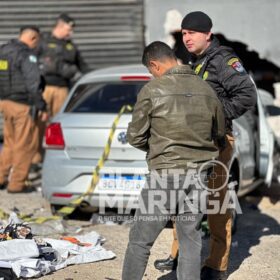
[219, 173]
[201, 189]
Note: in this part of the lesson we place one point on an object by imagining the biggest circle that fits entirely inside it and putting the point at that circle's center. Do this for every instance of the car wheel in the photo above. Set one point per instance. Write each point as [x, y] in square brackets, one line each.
[55, 208]
[83, 214]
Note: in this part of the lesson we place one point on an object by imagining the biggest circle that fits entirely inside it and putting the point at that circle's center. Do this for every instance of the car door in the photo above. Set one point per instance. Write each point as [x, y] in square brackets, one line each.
[266, 149]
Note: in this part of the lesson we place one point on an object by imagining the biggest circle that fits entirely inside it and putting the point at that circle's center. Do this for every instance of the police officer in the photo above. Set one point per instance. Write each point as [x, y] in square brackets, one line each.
[223, 70]
[20, 94]
[60, 62]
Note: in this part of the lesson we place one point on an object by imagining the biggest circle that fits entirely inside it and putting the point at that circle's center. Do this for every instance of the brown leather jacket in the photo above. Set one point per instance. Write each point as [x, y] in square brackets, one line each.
[176, 120]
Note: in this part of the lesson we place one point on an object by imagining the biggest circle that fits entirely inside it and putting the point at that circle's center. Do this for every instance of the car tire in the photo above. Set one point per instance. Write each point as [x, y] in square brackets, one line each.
[55, 208]
[80, 214]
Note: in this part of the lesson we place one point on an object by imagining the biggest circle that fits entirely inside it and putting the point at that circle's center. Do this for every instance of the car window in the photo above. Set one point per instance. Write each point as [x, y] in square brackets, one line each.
[103, 97]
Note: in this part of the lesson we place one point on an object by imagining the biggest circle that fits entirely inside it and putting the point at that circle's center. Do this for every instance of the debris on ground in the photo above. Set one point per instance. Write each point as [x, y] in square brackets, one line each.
[26, 252]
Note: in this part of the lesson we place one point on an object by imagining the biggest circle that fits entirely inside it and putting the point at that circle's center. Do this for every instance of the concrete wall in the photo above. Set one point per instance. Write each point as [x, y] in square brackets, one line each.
[254, 22]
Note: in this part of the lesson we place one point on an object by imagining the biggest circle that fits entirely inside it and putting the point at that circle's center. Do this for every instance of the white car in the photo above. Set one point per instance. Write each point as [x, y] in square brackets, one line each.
[77, 136]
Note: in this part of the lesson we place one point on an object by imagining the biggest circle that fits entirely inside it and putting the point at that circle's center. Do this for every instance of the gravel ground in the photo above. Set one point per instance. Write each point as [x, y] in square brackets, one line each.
[255, 247]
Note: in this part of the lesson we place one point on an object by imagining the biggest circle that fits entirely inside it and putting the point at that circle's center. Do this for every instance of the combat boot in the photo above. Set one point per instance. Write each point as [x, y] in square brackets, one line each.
[166, 264]
[208, 273]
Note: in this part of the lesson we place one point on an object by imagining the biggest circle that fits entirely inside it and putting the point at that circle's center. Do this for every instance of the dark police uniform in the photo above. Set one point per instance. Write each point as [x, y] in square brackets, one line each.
[59, 62]
[20, 84]
[222, 69]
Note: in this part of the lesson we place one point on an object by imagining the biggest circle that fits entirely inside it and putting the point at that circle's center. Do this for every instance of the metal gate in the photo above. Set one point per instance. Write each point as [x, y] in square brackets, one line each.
[108, 32]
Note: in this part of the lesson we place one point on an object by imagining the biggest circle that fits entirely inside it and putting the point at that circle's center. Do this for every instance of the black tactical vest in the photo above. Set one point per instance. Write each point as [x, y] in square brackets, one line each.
[56, 56]
[12, 83]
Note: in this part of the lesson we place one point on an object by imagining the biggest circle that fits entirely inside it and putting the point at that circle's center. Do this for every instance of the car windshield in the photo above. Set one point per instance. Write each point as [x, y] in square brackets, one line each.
[103, 97]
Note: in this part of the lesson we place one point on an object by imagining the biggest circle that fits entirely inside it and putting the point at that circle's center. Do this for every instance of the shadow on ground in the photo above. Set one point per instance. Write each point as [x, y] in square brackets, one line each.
[252, 225]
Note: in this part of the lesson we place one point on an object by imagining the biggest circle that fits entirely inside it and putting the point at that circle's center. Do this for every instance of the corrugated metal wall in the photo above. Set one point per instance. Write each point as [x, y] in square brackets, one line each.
[108, 32]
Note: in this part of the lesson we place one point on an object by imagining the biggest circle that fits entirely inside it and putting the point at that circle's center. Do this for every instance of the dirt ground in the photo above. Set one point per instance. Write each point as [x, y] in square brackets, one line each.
[255, 252]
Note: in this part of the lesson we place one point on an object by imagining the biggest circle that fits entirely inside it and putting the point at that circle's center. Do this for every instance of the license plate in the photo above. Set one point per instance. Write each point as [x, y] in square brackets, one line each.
[121, 183]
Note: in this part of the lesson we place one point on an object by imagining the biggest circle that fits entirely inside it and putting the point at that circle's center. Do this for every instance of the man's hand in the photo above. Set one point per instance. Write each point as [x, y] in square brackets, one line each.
[43, 116]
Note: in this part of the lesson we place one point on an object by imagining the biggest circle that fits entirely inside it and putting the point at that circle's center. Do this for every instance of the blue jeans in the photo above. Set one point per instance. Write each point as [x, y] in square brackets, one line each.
[147, 227]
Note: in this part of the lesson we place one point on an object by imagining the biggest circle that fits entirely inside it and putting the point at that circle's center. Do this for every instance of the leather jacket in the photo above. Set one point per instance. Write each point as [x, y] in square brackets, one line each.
[176, 120]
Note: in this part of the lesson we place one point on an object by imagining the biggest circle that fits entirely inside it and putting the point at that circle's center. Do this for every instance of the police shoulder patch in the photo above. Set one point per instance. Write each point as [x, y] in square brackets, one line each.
[236, 65]
[205, 75]
[33, 58]
[197, 69]
[51, 45]
[4, 65]
[69, 47]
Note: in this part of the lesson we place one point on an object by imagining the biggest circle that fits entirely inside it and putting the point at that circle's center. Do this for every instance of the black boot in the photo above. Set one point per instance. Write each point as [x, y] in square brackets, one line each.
[208, 273]
[166, 264]
[3, 186]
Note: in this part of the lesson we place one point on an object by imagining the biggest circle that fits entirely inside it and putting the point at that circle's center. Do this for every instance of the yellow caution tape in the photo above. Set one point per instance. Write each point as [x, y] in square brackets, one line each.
[38, 220]
[67, 210]
[3, 215]
[27, 218]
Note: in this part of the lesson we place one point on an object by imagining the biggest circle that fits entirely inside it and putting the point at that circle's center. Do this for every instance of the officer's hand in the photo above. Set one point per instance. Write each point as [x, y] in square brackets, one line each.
[43, 116]
[220, 144]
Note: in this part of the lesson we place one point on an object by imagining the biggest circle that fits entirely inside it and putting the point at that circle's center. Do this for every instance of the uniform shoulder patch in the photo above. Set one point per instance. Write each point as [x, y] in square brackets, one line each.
[198, 68]
[236, 65]
[32, 58]
[69, 47]
[4, 65]
[205, 75]
[51, 45]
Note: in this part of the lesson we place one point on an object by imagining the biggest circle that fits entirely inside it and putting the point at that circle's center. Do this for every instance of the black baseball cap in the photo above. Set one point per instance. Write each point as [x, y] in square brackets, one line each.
[67, 19]
[197, 21]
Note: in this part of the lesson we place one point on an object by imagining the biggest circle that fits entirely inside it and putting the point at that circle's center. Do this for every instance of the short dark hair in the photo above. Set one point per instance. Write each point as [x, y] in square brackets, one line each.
[157, 51]
[67, 19]
[29, 27]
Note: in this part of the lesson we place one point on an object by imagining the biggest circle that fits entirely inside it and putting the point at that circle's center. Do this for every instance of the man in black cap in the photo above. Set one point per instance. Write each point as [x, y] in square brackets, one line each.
[60, 62]
[222, 69]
